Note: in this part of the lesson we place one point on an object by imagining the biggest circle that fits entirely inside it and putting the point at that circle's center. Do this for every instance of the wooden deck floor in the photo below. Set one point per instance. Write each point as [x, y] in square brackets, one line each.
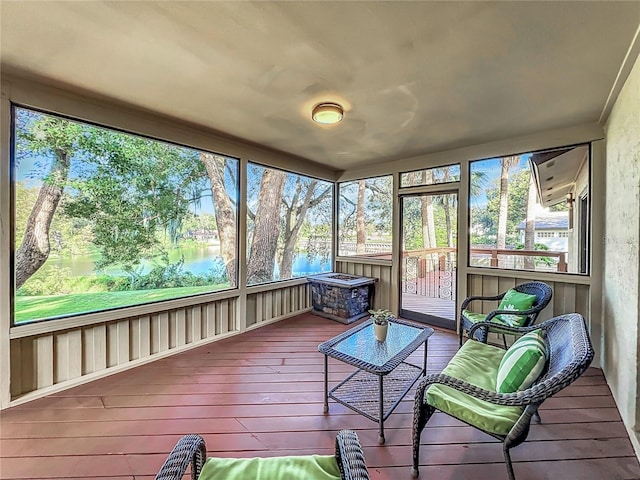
[260, 394]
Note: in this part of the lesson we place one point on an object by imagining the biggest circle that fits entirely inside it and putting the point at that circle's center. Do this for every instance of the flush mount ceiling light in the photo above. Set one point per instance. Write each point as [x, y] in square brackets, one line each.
[327, 113]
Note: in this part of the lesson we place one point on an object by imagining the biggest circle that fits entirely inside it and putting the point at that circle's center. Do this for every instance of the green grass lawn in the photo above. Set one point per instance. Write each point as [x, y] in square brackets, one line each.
[39, 307]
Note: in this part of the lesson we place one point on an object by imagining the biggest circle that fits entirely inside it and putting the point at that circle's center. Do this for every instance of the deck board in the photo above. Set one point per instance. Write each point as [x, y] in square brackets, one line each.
[260, 394]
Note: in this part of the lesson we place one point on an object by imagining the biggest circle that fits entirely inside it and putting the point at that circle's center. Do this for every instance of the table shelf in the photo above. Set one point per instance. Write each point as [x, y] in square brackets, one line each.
[360, 390]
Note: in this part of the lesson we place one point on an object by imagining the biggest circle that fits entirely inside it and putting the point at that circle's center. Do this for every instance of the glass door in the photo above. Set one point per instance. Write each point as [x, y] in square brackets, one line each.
[429, 227]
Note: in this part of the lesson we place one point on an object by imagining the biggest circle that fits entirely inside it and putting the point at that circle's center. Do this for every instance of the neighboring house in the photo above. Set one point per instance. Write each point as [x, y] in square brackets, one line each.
[202, 235]
[552, 230]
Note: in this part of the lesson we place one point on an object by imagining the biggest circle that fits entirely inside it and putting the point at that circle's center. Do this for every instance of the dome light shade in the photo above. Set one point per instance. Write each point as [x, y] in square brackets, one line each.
[327, 113]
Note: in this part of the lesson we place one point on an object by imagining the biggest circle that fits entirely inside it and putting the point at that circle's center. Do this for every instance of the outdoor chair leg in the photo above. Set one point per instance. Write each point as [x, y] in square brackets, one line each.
[507, 460]
[419, 422]
[504, 340]
[537, 417]
[461, 333]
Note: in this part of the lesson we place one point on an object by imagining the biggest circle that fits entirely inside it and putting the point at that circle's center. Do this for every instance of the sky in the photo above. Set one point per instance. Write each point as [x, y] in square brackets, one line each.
[492, 169]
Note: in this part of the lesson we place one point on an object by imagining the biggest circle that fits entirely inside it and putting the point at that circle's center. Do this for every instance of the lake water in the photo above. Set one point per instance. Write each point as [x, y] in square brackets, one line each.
[196, 260]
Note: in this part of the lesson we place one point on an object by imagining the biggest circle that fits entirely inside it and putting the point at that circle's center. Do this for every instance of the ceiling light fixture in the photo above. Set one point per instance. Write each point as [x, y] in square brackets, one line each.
[327, 113]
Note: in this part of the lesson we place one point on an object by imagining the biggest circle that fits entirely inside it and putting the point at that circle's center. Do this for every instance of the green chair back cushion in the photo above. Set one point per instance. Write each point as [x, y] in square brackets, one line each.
[514, 300]
[310, 467]
[523, 363]
[475, 363]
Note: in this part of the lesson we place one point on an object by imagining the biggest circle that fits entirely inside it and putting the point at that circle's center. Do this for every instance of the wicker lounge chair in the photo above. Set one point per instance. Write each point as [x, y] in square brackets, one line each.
[569, 354]
[468, 319]
[191, 450]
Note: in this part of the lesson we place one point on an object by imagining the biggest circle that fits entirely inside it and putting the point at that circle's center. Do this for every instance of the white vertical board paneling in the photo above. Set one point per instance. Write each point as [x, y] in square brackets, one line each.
[145, 337]
[134, 339]
[210, 316]
[276, 304]
[383, 287]
[163, 328]
[188, 325]
[15, 356]
[567, 297]
[44, 361]
[74, 344]
[181, 327]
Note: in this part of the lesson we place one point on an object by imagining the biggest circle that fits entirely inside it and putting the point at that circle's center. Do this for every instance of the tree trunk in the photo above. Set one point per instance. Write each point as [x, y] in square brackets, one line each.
[447, 219]
[35, 247]
[504, 207]
[428, 224]
[530, 226]
[224, 213]
[295, 216]
[447, 210]
[361, 238]
[266, 229]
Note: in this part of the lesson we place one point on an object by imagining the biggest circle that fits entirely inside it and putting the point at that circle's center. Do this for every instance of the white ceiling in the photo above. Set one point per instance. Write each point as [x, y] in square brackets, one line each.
[414, 77]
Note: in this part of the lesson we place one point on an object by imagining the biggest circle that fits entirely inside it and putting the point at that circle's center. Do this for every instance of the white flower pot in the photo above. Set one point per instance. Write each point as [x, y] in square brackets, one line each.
[380, 331]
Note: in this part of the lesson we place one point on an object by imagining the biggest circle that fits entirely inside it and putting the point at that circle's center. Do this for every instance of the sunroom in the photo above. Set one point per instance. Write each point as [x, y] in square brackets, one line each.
[165, 195]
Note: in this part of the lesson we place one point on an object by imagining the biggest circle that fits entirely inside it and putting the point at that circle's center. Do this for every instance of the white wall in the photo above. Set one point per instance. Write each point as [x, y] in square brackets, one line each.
[621, 288]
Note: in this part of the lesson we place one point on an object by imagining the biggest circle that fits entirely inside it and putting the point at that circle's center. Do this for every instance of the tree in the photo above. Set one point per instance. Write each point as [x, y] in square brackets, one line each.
[135, 191]
[57, 139]
[484, 217]
[503, 212]
[446, 203]
[425, 177]
[306, 196]
[530, 225]
[215, 167]
[264, 243]
[365, 209]
[129, 191]
[361, 236]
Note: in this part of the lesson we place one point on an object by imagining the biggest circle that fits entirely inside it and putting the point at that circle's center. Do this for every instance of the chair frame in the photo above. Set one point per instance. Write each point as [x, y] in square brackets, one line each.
[543, 294]
[570, 354]
[191, 450]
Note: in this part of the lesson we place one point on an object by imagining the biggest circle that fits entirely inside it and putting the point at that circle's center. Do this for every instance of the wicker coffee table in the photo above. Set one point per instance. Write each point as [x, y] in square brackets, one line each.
[380, 363]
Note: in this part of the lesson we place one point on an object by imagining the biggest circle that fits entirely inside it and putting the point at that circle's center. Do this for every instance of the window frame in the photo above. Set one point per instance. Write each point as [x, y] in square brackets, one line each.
[368, 257]
[113, 313]
[586, 191]
[332, 253]
[455, 164]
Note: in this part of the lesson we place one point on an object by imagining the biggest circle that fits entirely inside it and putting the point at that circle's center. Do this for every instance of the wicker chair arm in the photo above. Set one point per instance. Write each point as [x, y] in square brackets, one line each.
[520, 398]
[493, 313]
[468, 300]
[350, 457]
[190, 450]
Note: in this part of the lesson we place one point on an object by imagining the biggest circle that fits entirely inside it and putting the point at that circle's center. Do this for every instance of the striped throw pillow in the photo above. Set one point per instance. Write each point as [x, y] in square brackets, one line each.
[523, 363]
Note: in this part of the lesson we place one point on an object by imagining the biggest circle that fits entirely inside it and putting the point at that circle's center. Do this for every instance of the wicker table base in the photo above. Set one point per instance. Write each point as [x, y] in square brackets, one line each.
[393, 376]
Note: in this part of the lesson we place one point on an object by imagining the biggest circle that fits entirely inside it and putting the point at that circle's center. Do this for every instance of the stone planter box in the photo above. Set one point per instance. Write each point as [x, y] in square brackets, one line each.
[341, 297]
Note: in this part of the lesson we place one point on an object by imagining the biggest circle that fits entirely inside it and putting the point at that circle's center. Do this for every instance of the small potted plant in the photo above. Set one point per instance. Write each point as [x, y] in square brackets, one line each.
[381, 323]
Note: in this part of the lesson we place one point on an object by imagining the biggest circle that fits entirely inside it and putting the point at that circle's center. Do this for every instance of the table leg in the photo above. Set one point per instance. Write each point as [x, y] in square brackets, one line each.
[424, 364]
[326, 384]
[381, 411]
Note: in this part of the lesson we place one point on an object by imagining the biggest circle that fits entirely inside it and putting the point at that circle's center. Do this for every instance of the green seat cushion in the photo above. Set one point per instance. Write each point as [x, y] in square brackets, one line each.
[523, 363]
[475, 363]
[514, 300]
[310, 467]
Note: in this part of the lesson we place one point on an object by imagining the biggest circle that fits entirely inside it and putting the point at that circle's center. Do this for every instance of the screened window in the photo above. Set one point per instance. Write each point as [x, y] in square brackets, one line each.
[523, 214]
[105, 219]
[289, 220]
[365, 217]
[431, 176]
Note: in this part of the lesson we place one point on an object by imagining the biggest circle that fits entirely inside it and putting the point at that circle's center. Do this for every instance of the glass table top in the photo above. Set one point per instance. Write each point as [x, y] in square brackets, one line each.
[362, 344]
